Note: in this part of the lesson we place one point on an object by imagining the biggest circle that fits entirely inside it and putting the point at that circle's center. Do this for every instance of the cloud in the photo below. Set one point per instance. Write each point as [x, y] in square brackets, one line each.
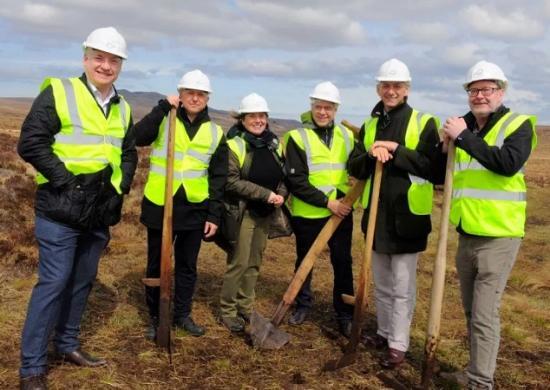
[515, 24]
[461, 55]
[426, 33]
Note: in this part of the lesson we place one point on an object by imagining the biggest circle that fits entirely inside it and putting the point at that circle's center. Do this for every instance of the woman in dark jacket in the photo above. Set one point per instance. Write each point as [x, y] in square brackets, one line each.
[254, 187]
[406, 142]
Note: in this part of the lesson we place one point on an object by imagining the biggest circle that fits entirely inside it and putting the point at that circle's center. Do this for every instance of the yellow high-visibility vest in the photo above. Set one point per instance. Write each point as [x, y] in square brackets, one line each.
[420, 193]
[191, 161]
[485, 203]
[88, 141]
[326, 165]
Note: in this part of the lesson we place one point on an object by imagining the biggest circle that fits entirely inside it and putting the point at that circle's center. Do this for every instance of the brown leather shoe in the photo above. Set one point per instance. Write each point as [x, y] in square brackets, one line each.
[81, 358]
[375, 341]
[392, 359]
[35, 382]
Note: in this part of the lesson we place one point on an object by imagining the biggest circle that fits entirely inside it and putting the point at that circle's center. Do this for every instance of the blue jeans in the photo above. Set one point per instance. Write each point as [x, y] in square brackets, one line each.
[67, 266]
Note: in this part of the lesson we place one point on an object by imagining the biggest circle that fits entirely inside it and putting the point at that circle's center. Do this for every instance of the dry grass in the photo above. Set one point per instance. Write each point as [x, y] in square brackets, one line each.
[116, 316]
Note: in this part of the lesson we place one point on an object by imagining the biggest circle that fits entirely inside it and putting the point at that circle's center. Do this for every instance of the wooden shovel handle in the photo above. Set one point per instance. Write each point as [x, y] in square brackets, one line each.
[316, 248]
[364, 276]
[438, 274]
[163, 334]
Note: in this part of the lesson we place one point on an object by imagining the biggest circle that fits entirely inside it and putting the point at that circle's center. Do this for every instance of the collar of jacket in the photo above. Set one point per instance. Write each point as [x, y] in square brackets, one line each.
[266, 139]
[114, 100]
[470, 120]
[199, 119]
[385, 118]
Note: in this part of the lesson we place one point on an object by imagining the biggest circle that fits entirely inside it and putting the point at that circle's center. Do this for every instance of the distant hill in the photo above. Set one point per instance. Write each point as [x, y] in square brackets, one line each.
[142, 103]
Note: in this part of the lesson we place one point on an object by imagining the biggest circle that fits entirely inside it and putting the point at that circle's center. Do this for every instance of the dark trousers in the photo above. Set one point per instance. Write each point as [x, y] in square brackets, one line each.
[187, 244]
[67, 267]
[306, 231]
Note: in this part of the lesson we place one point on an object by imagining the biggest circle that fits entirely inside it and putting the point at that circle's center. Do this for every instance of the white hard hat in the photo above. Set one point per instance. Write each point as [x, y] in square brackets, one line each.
[107, 39]
[253, 103]
[393, 70]
[195, 79]
[326, 91]
[484, 70]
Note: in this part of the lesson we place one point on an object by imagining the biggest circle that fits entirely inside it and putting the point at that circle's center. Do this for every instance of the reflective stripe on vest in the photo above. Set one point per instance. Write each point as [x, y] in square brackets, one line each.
[326, 166]
[420, 192]
[87, 141]
[485, 203]
[191, 162]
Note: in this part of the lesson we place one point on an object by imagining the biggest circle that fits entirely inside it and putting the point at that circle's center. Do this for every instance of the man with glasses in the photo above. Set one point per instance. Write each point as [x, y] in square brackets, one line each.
[78, 136]
[200, 173]
[316, 157]
[488, 208]
[405, 140]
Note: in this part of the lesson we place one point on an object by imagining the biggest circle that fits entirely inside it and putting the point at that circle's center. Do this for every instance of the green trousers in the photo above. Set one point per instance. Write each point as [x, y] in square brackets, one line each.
[243, 267]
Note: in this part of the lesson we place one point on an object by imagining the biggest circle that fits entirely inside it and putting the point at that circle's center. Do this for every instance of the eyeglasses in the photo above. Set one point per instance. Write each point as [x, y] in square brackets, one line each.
[472, 92]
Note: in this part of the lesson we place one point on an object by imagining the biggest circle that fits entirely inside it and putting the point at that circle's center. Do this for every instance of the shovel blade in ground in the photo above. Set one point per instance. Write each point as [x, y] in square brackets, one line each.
[346, 360]
[264, 334]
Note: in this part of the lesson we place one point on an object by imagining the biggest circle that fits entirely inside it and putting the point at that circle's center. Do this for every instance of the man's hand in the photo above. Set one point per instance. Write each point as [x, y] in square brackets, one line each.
[276, 200]
[174, 100]
[210, 229]
[338, 208]
[380, 153]
[454, 126]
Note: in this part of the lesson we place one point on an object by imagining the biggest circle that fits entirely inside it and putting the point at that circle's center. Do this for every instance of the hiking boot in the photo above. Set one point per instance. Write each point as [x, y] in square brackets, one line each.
[234, 324]
[393, 359]
[151, 331]
[298, 317]
[189, 326]
[82, 358]
[344, 326]
[458, 377]
[375, 341]
[35, 382]
[245, 317]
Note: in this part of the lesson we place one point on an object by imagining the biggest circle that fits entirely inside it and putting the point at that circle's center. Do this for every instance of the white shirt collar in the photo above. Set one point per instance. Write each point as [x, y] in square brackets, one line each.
[102, 102]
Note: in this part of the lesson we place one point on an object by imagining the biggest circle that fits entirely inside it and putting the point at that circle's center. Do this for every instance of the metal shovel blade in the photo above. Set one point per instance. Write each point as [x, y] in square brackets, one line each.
[264, 334]
[346, 360]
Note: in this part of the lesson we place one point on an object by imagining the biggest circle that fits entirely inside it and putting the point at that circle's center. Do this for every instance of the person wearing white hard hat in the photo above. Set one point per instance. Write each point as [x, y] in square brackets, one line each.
[406, 141]
[316, 157]
[200, 172]
[253, 191]
[488, 206]
[78, 136]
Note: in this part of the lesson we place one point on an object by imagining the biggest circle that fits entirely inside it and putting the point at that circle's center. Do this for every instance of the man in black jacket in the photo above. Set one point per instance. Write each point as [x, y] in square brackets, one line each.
[406, 142]
[316, 158]
[78, 136]
[200, 173]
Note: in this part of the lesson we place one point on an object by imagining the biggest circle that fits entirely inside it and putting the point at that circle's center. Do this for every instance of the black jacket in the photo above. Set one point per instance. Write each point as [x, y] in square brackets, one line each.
[298, 172]
[397, 229]
[506, 160]
[186, 215]
[82, 201]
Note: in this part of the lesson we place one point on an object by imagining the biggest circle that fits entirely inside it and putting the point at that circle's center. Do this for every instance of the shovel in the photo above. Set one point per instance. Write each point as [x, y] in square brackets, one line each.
[264, 332]
[165, 280]
[360, 299]
[438, 277]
